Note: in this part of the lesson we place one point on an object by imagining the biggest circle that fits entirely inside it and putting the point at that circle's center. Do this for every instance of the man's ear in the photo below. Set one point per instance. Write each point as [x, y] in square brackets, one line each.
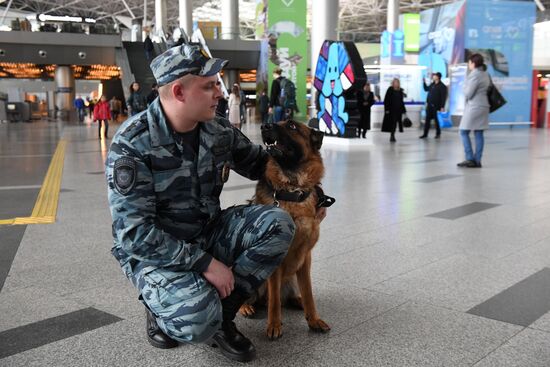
[316, 138]
[178, 91]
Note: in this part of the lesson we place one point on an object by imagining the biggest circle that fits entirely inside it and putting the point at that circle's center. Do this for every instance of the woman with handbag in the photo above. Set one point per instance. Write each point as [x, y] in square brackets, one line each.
[394, 108]
[476, 111]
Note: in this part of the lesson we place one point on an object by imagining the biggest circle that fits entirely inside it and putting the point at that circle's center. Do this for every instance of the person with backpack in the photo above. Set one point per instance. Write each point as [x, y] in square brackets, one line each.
[283, 97]
[137, 101]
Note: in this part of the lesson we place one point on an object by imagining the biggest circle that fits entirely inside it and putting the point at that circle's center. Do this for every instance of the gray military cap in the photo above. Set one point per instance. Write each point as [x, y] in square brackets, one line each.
[182, 60]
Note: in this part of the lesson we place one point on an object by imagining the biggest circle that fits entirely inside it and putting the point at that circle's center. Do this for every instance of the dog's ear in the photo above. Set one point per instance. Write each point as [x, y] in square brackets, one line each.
[316, 138]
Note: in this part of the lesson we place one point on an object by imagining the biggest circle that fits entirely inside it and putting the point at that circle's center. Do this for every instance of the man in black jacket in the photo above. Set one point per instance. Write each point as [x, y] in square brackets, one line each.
[274, 103]
[437, 96]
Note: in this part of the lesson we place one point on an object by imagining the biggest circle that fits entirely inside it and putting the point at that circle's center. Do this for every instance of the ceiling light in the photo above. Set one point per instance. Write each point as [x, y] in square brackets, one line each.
[54, 18]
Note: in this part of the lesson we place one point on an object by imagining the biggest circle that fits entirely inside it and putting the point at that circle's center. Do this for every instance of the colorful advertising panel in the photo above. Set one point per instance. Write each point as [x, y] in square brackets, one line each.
[288, 45]
[339, 74]
[442, 38]
[411, 28]
[503, 33]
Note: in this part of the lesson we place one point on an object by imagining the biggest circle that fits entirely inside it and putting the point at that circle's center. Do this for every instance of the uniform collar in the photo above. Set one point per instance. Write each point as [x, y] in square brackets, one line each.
[159, 129]
[161, 132]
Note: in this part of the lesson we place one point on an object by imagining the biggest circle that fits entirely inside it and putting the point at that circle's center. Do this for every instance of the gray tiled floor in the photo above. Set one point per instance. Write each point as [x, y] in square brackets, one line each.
[393, 283]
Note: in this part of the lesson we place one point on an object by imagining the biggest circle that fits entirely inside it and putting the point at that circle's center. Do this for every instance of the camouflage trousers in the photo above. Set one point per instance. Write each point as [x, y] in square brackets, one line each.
[252, 239]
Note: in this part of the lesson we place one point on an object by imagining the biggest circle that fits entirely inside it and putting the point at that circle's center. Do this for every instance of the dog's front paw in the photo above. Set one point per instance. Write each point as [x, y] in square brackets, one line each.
[247, 310]
[274, 330]
[318, 325]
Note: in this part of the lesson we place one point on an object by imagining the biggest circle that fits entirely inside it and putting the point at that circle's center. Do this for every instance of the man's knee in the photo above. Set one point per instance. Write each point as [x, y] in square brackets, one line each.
[282, 229]
[282, 220]
[193, 322]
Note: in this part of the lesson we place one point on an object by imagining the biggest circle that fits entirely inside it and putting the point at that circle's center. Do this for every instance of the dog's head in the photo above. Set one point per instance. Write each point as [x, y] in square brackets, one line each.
[291, 143]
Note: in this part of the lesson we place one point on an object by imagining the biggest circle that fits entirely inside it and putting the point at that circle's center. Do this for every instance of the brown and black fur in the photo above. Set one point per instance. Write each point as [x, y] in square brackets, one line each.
[294, 164]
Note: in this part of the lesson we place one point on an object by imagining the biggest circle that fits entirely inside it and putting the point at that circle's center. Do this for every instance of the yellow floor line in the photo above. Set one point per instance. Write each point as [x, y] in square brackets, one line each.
[45, 208]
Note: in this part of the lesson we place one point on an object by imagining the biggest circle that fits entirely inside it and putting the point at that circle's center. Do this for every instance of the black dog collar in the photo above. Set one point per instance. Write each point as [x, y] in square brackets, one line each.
[298, 196]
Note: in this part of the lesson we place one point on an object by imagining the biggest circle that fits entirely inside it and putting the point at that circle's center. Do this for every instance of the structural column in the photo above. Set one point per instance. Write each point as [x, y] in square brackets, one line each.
[136, 35]
[186, 16]
[64, 90]
[393, 15]
[230, 30]
[230, 19]
[324, 26]
[144, 26]
[160, 17]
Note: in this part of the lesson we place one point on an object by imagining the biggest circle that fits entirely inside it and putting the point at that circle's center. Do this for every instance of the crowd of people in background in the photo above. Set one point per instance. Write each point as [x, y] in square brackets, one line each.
[270, 107]
[104, 110]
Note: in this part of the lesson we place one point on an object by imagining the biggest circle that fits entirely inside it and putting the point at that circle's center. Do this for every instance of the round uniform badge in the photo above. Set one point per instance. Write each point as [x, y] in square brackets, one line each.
[124, 175]
[225, 172]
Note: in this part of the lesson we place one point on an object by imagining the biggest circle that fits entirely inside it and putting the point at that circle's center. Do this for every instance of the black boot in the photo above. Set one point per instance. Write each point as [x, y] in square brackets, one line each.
[155, 335]
[232, 343]
[392, 138]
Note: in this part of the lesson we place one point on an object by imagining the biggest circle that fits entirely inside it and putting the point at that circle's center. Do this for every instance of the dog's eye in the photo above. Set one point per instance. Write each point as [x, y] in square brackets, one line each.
[292, 126]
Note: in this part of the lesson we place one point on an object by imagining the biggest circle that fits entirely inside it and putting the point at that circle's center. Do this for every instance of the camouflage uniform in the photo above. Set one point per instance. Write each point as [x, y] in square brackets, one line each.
[167, 221]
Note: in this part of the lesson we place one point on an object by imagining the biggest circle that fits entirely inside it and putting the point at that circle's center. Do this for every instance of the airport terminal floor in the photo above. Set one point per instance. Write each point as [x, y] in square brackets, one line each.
[419, 262]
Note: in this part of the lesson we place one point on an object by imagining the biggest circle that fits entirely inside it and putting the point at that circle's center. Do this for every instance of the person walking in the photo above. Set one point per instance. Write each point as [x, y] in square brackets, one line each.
[79, 105]
[115, 108]
[365, 100]
[136, 102]
[394, 108]
[102, 114]
[476, 111]
[437, 96]
[235, 106]
[274, 103]
[149, 48]
[242, 96]
[263, 105]
[91, 105]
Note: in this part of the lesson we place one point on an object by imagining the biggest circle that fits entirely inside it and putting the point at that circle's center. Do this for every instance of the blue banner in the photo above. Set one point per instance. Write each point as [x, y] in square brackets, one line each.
[502, 31]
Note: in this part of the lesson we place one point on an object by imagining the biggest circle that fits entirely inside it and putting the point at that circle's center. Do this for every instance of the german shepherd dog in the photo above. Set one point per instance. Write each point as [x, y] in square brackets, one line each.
[293, 173]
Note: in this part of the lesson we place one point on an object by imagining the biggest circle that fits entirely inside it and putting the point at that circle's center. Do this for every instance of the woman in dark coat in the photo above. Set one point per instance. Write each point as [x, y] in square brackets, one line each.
[394, 108]
[365, 100]
[137, 101]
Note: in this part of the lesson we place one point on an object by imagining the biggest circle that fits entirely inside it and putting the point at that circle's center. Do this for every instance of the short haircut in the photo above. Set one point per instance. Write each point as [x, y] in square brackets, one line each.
[184, 81]
[477, 60]
[278, 71]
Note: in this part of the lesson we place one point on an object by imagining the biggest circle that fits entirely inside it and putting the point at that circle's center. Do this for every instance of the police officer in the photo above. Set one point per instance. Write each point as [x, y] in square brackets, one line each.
[193, 263]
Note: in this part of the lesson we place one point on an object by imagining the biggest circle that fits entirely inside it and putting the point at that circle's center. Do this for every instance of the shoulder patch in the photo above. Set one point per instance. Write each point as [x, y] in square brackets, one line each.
[124, 175]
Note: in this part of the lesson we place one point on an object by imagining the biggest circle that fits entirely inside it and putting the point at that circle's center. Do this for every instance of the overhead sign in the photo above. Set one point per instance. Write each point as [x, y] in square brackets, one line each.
[411, 29]
[392, 47]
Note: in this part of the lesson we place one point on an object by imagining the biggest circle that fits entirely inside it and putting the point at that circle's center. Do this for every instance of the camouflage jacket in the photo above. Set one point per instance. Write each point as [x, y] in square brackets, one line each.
[162, 196]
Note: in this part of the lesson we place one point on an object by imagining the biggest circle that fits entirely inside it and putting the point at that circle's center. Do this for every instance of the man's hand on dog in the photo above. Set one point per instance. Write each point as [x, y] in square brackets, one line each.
[221, 277]
[321, 214]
